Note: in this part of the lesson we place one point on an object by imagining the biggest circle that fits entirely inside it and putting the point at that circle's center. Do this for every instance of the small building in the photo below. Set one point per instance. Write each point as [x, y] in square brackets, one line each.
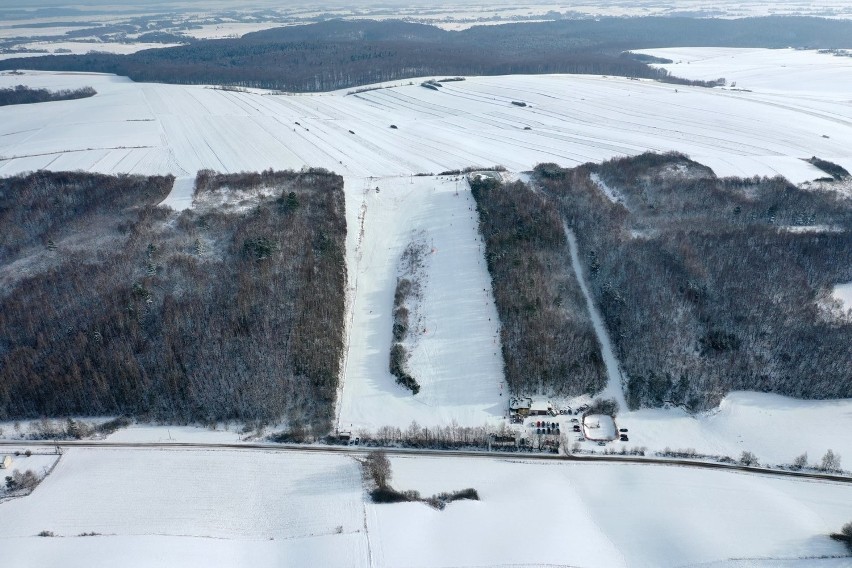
[541, 407]
[520, 405]
[6, 462]
[504, 441]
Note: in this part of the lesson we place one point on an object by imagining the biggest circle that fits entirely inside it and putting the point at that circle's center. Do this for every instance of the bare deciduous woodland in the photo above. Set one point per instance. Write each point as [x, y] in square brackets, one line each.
[547, 338]
[112, 305]
[709, 285]
[336, 54]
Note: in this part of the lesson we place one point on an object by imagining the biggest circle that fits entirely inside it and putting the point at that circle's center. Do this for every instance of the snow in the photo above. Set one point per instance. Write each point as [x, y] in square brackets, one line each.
[803, 73]
[614, 388]
[344, 551]
[170, 505]
[612, 194]
[775, 428]
[221, 507]
[151, 128]
[547, 513]
[180, 507]
[82, 48]
[40, 461]
[456, 357]
[137, 433]
[180, 197]
[599, 427]
[843, 292]
[812, 228]
[229, 29]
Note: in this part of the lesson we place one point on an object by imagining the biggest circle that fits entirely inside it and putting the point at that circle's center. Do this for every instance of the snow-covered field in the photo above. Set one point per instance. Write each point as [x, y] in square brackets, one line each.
[39, 461]
[150, 128]
[229, 29]
[804, 73]
[82, 48]
[196, 508]
[253, 508]
[556, 514]
[775, 428]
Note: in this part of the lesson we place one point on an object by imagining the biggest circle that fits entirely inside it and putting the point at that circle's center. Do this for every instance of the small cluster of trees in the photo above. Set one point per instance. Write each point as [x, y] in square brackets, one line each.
[837, 172]
[22, 481]
[704, 283]
[547, 338]
[70, 429]
[845, 536]
[438, 437]
[406, 298]
[21, 95]
[377, 470]
[214, 315]
[829, 463]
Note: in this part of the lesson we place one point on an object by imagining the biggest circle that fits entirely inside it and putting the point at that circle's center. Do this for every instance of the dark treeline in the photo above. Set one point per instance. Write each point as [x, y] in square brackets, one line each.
[21, 95]
[706, 285]
[548, 343]
[210, 314]
[339, 54]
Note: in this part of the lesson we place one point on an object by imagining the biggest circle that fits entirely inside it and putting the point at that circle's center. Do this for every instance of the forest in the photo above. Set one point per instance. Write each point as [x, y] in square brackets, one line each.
[709, 285]
[112, 305]
[338, 54]
[547, 339]
[21, 95]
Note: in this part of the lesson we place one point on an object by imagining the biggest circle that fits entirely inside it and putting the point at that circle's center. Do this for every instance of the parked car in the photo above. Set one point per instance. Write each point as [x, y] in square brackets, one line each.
[624, 438]
[574, 420]
[602, 443]
[622, 429]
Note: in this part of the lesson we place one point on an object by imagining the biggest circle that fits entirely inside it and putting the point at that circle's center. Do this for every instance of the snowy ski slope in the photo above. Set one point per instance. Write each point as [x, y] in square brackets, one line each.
[457, 358]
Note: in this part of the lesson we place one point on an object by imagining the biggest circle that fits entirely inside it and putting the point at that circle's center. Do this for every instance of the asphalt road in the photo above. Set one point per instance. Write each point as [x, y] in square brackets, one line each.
[361, 450]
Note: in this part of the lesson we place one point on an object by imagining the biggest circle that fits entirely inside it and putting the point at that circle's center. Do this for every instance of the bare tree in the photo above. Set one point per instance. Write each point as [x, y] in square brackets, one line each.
[378, 468]
[830, 461]
[748, 458]
[801, 461]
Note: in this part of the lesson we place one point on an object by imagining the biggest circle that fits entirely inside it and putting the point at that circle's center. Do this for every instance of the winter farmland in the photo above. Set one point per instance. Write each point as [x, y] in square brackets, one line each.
[180, 507]
[380, 138]
[222, 508]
